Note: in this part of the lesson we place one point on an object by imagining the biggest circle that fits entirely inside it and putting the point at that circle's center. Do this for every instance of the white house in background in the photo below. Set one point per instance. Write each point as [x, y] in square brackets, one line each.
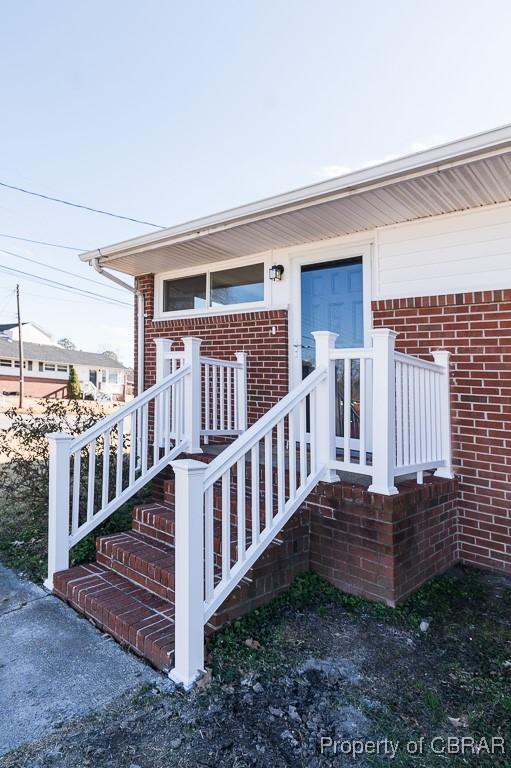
[47, 366]
[31, 332]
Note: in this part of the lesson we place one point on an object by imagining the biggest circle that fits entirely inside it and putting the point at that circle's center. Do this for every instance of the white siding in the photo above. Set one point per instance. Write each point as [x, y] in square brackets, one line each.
[457, 253]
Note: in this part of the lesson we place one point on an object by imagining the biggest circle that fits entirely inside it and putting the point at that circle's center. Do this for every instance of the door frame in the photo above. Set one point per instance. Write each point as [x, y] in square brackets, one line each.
[320, 254]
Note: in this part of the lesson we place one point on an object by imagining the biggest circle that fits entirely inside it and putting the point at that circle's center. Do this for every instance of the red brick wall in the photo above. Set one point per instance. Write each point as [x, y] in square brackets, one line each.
[383, 547]
[476, 328]
[223, 335]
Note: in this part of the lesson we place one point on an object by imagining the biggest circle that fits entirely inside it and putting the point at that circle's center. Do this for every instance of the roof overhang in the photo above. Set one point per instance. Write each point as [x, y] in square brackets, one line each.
[457, 176]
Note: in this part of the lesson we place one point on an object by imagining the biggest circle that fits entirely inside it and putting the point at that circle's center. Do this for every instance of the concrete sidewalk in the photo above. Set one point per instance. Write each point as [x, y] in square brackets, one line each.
[54, 665]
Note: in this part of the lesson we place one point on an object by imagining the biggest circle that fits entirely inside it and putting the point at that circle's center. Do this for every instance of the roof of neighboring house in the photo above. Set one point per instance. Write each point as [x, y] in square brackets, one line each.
[7, 326]
[54, 354]
[456, 176]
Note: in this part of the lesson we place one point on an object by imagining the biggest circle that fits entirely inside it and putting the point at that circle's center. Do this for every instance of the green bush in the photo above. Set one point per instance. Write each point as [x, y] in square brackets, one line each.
[73, 384]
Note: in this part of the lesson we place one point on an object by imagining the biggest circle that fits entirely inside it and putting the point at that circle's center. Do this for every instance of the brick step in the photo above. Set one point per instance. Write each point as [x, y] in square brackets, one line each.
[157, 522]
[131, 614]
[144, 561]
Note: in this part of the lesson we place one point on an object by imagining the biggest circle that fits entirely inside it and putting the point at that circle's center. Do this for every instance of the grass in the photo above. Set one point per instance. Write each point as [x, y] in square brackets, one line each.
[24, 536]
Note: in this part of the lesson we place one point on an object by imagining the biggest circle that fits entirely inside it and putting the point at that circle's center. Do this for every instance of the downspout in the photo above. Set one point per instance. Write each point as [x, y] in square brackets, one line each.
[140, 318]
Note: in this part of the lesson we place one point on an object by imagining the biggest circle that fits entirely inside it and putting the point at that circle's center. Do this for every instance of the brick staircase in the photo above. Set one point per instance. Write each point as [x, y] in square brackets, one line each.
[128, 591]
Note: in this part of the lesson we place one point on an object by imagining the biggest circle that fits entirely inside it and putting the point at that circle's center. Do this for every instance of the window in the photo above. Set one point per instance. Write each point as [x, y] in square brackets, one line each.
[49, 366]
[237, 285]
[241, 285]
[113, 377]
[185, 293]
[5, 364]
[29, 365]
[62, 368]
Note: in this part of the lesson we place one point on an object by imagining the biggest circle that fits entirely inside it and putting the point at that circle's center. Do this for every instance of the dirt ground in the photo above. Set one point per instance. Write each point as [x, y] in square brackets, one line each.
[324, 679]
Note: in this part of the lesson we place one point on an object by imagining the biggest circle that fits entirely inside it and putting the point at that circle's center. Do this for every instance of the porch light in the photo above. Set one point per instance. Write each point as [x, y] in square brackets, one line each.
[276, 272]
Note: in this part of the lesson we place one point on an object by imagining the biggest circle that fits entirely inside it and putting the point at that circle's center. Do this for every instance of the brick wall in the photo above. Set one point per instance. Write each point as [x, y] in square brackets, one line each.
[262, 335]
[476, 328]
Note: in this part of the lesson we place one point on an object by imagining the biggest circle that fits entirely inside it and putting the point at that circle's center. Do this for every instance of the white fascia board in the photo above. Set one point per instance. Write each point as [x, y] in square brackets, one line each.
[482, 144]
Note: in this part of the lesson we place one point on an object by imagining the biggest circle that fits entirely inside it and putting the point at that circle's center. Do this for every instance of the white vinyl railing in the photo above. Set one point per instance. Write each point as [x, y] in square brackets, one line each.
[229, 511]
[93, 474]
[223, 409]
[366, 411]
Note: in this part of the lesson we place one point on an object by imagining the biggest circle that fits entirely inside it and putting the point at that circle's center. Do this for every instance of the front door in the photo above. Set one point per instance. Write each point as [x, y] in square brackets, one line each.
[332, 300]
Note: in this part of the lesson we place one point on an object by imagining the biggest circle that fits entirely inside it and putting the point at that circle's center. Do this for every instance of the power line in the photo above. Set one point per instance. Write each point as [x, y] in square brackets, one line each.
[79, 205]
[42, 242]
[64, 271]
[65, 286]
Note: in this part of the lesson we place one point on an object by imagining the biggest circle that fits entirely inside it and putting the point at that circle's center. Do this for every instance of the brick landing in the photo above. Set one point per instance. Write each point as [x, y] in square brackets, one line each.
[380, 547]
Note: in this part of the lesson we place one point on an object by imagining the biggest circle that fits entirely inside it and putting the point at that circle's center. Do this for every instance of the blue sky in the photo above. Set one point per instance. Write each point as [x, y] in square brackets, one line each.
[169, 110]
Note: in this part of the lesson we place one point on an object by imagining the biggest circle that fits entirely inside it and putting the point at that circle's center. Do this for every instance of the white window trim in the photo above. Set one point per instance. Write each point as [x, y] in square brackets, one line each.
[207, 269]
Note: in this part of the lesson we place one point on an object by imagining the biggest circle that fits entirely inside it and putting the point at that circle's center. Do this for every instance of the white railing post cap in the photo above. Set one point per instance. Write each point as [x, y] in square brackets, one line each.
[441, 356]
[189, 465]
[330, 335]
[384, 332]
[191, 340]
[59, 436]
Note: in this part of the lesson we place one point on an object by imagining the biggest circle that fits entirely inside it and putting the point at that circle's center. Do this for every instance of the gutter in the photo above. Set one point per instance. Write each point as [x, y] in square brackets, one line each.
[140, 317]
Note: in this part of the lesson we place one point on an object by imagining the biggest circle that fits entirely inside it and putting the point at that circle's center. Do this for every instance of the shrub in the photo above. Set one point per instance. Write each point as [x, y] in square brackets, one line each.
[24, 473]
[73, 384]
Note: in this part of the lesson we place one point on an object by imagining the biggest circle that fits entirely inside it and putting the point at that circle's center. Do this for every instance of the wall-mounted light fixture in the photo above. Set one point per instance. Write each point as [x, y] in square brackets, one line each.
[276, 272]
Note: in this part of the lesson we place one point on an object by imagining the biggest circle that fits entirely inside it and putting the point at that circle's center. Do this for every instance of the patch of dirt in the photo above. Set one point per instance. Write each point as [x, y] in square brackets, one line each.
[293, 677]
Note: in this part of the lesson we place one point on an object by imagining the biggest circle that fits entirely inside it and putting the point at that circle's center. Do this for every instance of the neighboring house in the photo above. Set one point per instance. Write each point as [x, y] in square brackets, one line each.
[405, 270]
[47, 366]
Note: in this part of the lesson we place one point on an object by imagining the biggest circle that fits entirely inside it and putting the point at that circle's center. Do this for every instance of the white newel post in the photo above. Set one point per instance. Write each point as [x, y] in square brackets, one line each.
[384, 411]
[323, 420]
[163, 350]
[241, 389]
[441, 357]
[193, 394]
[58, 505]
[189, 571]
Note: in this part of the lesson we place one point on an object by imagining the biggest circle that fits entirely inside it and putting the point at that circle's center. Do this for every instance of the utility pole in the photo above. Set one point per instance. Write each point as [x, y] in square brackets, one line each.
[20, 348]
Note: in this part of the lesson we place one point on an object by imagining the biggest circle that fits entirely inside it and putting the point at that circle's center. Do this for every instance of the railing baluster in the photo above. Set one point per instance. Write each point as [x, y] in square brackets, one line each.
[226, 525]
[75, 512]
[145, 437]
[215, 397]
[241, 513]
[417, 417]
[166, 420]
[120, 458]
[106, 469]
[254, 482]
[209, 543]
[207, 395]
[228, 374]
[157, 428]
[406, 414]
[281, 489]
[133, 448]
[303, 442]
[399, 414]
[268, 480]
[91, 480]
[347, 410]
[362, 413]
[292, 454]
[222, 396]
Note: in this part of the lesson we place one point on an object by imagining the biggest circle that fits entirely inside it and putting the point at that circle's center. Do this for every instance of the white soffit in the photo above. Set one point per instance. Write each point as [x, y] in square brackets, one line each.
[466, 174]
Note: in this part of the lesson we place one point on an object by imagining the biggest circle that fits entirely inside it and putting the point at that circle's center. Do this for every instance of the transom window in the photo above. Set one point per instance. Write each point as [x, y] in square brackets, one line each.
[238, 285]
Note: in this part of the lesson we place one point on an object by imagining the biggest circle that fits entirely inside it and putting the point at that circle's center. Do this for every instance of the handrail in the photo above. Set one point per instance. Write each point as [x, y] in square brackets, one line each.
[125, 410]
[418, 362]
[251, 437]
[221, 363]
